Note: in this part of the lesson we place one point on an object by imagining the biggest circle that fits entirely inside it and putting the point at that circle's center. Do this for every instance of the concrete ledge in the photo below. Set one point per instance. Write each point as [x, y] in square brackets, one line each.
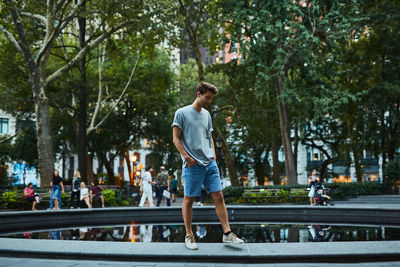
[329, 252]
[337, 252]
[23, 221]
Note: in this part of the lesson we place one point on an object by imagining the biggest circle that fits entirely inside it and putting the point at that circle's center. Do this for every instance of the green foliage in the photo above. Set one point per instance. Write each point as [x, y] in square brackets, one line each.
[109, 197]
[391, 175]
[338, 191]
[9, 200]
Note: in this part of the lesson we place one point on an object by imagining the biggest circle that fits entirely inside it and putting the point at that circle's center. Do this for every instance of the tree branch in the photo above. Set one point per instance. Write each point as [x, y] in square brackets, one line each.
[67, 67]
[11, 38]
[35, 16]
[123, 92]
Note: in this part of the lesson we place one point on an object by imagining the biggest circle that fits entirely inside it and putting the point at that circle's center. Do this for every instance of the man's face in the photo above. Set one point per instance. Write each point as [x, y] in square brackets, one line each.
[205, 99]
[314, 172]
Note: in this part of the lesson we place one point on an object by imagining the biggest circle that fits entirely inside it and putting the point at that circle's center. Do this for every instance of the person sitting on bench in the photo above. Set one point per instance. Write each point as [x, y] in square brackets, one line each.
[31, 196]
[96, 194]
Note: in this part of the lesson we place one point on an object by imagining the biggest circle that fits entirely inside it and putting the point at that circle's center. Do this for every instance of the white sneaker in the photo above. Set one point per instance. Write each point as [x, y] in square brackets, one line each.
[201, 205]
[198, 203]
[232, 238]
[190, 242]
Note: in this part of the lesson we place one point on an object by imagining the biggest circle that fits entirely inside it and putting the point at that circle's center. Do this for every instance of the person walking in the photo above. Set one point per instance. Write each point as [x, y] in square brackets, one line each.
[174, 188]
[57, 188]
[192, 128]
[313, 180]
[164, 184]
[147, 188]
[76, 190]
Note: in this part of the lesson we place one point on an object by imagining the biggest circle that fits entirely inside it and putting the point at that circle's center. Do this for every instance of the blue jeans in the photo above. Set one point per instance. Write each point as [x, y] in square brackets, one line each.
[160, 196]
[55, 193]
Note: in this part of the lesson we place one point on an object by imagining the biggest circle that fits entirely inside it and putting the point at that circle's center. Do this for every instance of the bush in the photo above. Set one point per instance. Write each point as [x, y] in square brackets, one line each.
[9, 200]
[390, 176]
[338, 191]
[109, 197]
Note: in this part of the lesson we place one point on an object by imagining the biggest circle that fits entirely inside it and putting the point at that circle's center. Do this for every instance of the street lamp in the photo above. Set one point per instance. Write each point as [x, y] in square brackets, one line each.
[133, 158]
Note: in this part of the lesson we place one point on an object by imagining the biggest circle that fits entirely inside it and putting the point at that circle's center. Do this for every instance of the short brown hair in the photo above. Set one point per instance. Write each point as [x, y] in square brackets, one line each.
[203, 87]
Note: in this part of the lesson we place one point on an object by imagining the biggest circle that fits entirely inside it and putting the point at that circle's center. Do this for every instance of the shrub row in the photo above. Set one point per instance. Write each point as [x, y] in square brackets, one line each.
[234, 194]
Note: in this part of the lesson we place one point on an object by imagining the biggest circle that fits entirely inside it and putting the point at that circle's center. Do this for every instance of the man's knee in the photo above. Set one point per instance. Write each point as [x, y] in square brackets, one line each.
[217, 196]
[188, 200]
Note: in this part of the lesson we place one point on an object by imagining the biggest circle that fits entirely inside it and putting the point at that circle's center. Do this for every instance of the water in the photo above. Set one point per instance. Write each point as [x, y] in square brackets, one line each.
[212, 233]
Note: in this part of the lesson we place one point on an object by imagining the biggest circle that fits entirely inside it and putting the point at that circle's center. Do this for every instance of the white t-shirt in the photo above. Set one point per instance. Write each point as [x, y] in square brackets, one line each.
[146, 181]
[84, 192]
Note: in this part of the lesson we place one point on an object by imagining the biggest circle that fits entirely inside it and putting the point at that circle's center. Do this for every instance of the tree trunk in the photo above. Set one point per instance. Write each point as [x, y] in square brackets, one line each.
[199, 62]
[296, 144]
[324, 168]
[356, 157]
[107, 164]
[44, 139]
[89, 174]
[259, 166]
[228, 158]
[275, 161]
[82, 118]
[290, 166]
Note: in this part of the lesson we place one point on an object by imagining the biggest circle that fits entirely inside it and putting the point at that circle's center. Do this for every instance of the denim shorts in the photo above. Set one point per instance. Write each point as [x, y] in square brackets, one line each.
[194, 177]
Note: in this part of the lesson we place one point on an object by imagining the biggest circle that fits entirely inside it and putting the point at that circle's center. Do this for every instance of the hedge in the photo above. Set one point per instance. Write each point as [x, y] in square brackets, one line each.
[233, 194]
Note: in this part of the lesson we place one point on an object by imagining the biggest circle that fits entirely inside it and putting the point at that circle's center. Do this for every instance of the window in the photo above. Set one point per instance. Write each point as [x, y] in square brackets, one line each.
[3, 126]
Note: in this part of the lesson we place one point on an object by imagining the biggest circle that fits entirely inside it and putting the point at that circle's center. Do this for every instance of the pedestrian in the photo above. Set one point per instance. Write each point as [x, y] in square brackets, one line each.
[76, 190]
[84, 194]
[164, 184]
[57, 188]
[203, 195]
[147, 187]
[30, 195]
[174, 188]
[96, 194]
[192, 128]
[313, 180]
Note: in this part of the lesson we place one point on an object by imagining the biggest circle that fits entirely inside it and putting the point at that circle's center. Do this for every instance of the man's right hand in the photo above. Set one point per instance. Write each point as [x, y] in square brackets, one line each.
[190, 161]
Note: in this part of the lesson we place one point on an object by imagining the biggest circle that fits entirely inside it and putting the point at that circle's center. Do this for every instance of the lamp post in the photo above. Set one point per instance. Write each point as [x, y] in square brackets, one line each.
[133, 158]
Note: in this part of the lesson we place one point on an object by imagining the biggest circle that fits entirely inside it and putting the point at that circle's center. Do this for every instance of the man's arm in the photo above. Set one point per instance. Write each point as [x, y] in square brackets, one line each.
[176, 134]
[213, 146]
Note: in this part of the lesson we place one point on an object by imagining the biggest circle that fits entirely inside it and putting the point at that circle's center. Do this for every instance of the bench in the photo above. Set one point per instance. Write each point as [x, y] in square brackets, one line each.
[262, 193]
[298, 194]
[276, 195]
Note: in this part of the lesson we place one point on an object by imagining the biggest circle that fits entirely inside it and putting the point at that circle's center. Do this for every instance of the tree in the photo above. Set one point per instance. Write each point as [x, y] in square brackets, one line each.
[35, 29]
[282, 41]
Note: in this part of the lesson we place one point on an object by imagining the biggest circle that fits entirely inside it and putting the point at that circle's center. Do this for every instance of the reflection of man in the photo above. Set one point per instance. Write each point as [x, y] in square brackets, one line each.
[164, 184]
[192, 128]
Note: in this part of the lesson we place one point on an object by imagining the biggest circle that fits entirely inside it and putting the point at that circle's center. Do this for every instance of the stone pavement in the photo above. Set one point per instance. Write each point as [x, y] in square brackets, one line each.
[26, 262]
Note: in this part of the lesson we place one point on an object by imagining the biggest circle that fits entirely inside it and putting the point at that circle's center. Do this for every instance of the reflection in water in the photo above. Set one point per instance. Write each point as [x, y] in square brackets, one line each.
[319, 233]
[212, 233]
[201, 232]
[55, 235]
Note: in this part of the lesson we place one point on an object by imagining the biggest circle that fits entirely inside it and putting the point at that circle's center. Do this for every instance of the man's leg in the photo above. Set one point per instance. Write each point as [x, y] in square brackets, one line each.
[220, 209]
[187, 213]
[160, 195]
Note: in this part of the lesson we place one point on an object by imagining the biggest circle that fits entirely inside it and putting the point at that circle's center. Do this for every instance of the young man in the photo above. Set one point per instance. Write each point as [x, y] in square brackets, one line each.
[192, 129]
